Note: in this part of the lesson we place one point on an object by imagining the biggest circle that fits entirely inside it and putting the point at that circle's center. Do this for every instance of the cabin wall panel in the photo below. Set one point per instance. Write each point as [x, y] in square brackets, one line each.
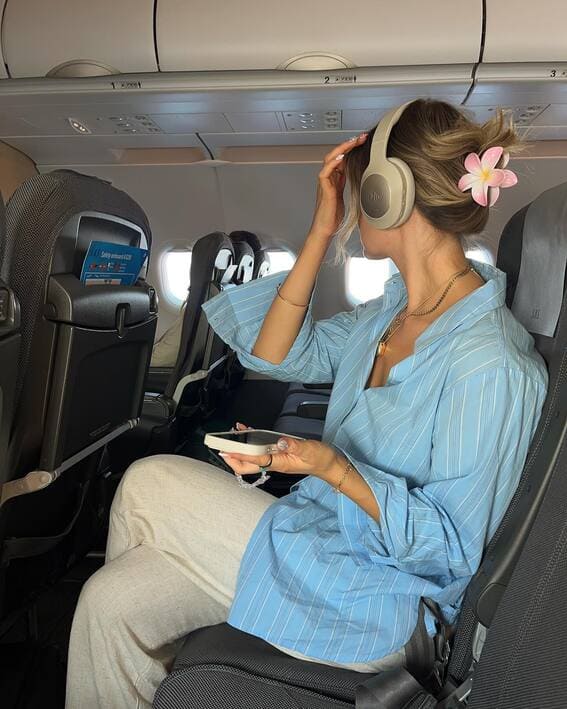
[184, 202]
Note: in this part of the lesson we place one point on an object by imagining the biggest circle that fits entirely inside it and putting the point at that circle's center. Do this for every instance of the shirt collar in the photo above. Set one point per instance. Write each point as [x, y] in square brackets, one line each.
[463, 313]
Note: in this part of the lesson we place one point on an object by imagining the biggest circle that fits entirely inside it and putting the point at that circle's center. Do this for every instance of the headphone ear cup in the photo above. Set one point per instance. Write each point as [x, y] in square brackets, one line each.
[406, 194]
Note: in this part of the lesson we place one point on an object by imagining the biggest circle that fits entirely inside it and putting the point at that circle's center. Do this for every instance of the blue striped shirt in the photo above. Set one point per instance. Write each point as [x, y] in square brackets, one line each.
[441, 445]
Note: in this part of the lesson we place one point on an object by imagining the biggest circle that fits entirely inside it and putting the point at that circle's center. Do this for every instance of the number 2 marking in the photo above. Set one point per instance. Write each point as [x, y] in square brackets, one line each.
[344, 79]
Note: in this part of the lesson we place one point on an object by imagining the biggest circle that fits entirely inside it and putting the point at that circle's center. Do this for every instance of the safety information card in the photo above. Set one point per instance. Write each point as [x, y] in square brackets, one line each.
[112, 264]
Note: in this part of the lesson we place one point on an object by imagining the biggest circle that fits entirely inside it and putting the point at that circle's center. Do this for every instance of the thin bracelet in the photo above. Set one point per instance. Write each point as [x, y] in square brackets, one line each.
[348, 468]
[288, 301]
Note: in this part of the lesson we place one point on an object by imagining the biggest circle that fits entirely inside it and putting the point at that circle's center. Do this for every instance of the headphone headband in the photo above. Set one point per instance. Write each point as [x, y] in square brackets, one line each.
[387, 188]
[381, 136]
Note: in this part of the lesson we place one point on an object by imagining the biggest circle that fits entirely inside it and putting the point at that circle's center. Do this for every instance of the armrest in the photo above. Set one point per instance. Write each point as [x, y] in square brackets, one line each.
[157, 378]
[312, 410]
[299, 388]
[158, 408]
[329, 386]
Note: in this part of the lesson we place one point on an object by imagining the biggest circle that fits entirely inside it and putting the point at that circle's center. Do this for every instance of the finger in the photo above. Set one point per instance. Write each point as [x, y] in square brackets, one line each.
[331, 172]
[345, 147]
[292, 446]
[256, 459]
[332, 168]
[240, 467]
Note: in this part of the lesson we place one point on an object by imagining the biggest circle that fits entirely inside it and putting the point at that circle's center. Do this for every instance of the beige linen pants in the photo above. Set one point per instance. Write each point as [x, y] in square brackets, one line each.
[178, 529]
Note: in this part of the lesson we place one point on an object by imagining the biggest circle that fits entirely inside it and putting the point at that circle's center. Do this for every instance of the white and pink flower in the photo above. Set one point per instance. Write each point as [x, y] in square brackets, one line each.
[484, 178]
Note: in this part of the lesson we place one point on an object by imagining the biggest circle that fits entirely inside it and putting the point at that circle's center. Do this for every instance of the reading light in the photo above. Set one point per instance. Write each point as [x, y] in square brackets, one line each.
[78, 126]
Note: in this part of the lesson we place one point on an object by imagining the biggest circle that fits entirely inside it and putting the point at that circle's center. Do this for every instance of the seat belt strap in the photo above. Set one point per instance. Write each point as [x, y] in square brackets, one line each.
[37, 480]
[426, 656]
[420, 649]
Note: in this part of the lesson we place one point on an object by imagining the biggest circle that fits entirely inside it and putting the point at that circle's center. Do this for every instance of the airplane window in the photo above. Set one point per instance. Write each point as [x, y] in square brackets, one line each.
[176, 270]
[480, 254]
[280, 260]
[365, 278]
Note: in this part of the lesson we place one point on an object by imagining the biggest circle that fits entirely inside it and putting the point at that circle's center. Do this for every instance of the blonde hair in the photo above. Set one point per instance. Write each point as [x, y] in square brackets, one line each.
[433, 138]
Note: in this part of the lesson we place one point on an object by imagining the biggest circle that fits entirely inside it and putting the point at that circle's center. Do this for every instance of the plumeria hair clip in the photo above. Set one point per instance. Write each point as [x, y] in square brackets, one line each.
[484, 178]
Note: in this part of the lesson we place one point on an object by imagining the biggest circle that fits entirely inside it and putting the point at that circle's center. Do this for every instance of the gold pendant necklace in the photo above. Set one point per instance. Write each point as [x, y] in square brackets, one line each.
[400, 318]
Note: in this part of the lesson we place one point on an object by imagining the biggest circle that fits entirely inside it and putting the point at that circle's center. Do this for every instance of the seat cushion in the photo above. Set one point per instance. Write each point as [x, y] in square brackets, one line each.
[297, 426]
[220, 666]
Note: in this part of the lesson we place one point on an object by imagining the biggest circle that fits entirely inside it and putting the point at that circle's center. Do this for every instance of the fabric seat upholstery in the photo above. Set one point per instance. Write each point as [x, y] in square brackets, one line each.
[84, 355]
[9, 354]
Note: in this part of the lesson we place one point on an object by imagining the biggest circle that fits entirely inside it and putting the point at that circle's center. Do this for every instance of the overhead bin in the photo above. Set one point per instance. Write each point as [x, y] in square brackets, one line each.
[534, 32]
[320, 34]
[524, 66]
[3, 72]
[73, 38]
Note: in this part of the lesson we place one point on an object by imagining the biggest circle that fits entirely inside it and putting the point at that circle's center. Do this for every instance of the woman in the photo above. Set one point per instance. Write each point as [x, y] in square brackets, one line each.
[424, 443]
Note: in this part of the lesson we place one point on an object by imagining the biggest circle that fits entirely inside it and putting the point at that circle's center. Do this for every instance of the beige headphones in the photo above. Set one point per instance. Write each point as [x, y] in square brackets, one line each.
[387, 188]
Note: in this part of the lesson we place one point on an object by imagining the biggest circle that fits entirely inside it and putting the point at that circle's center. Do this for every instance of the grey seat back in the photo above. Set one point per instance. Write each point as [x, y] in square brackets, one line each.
[96, 330]
[9, 354]
[85, 349]
[212, 267]
[244, 258]
[540, 226]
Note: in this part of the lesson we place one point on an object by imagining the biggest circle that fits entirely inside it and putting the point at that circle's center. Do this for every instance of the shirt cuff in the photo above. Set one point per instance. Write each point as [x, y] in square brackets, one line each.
[366, 537]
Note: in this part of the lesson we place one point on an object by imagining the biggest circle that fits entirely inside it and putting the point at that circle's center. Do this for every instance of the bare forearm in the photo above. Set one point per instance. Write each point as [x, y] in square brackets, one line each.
[283, 321]
[353, 486]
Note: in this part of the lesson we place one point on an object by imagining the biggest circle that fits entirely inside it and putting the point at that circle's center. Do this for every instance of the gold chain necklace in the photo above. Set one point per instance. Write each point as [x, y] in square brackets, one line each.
[400, 317]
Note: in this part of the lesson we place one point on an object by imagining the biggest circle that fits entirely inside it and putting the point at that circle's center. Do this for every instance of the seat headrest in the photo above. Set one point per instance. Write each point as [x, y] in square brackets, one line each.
[250, 238]
[261, 264]
[533, 254]
[212, 257]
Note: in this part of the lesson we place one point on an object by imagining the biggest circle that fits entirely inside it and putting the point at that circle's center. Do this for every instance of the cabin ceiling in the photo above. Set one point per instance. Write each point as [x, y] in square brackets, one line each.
[102, 82]
[88, 121]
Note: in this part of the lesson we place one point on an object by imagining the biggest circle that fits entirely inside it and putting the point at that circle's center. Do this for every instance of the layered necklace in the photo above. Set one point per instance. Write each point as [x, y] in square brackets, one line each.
[402, 315]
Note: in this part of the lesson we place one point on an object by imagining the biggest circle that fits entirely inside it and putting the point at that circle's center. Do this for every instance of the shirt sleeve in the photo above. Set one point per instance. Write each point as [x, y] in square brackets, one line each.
[482, 431]
[237, 314]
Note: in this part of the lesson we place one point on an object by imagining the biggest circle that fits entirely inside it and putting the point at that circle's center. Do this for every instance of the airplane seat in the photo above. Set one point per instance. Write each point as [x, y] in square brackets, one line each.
[304, 411]
[533, 246]
[297, 402]
[166, 348]
[249, 253]
[84, 354]
[244, 256]
[216, 354]
[261, 263]
[180, 400]
[261, 258]
[9, 354]
[533, 254]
